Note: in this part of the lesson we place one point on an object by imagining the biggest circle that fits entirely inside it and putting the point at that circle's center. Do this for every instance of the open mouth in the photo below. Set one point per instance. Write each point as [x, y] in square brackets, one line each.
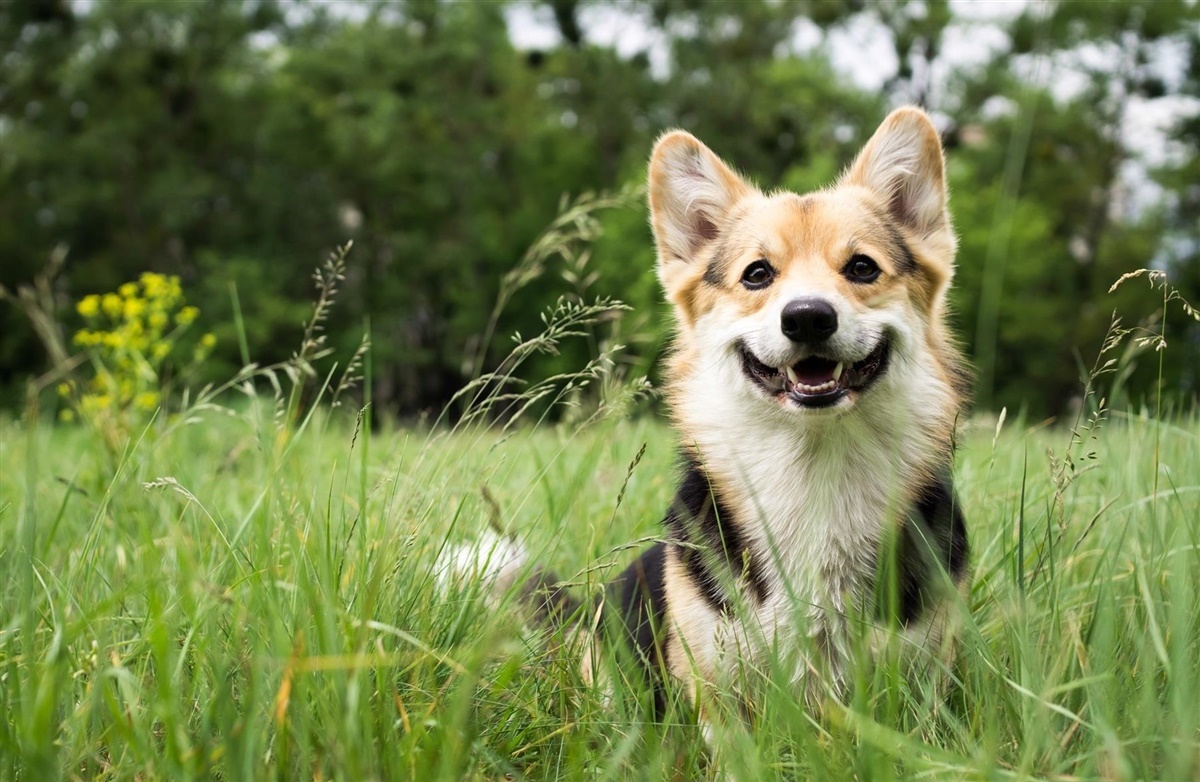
[817, 381]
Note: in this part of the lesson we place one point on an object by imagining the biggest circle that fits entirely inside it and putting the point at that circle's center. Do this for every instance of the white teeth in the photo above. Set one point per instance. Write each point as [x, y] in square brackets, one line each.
[837, 371]
[821, 389]
[791, 375]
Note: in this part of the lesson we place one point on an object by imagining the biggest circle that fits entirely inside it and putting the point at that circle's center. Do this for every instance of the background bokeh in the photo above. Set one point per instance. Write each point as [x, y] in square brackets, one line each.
[235, 143]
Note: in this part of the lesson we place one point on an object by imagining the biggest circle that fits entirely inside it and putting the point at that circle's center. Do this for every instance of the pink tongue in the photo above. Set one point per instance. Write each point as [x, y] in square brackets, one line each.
[814, 371]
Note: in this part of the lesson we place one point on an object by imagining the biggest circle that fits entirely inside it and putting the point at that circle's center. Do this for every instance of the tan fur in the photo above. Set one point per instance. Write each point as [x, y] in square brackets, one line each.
[810, 236]
[806, 482]
[709, 225]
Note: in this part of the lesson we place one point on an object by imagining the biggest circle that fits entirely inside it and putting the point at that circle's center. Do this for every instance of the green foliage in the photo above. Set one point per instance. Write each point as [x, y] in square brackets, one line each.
[1054, 227]
[252, 592]
[228, 142]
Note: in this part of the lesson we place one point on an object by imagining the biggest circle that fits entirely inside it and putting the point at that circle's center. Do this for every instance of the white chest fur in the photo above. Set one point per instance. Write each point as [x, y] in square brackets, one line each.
[812, 496]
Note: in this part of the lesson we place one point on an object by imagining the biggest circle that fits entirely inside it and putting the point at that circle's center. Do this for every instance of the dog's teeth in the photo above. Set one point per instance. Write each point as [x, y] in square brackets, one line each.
[837, 371]
[791, 375]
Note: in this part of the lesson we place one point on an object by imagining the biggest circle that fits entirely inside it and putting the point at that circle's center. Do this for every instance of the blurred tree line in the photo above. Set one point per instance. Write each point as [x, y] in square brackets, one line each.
[239, 141]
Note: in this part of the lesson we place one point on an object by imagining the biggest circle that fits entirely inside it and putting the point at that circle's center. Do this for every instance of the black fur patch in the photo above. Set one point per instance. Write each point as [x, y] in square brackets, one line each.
[901, 254]
[640, 594]
[552, 605]
[707, 538]
[906, 262]
[718, 267]
[932, 541]
[635, 612]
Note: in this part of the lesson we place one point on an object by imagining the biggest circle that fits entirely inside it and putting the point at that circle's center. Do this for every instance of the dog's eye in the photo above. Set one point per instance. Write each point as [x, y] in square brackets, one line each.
[861, 269]
[758, 275]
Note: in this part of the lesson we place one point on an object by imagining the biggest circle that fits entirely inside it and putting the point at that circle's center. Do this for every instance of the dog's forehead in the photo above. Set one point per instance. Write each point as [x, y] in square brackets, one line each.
[806, 237]
[791, 226]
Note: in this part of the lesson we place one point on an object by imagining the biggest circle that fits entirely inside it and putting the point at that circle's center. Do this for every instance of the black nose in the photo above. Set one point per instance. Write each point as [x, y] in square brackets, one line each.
[808, 320]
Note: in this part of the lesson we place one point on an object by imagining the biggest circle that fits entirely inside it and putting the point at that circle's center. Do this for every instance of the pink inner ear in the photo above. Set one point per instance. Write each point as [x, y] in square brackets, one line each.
[702, 228]
[705, 229]
[900, 206]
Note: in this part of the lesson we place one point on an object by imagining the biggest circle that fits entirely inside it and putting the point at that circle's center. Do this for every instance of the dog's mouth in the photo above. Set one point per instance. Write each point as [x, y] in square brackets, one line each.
[817, 381]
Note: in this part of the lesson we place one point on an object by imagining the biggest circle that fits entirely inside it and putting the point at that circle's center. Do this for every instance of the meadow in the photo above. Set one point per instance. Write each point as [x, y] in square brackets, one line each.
[197, 583]
[233, 597]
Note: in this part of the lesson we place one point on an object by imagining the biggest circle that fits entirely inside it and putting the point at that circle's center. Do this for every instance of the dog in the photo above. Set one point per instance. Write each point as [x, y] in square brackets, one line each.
[816, 389]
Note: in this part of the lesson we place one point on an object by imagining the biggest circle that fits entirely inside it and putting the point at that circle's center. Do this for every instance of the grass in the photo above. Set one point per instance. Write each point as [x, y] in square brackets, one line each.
[236, 600]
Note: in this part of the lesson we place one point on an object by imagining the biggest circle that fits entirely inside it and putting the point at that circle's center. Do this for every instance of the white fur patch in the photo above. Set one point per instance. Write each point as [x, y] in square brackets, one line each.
[820, 487]
[495, 561]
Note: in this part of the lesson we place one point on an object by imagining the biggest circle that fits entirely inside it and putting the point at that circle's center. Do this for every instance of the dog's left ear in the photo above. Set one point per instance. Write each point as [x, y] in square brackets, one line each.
[903, 163]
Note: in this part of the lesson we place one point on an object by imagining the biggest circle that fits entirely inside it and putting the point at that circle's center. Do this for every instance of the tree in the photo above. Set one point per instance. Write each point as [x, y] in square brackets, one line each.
[236, 143]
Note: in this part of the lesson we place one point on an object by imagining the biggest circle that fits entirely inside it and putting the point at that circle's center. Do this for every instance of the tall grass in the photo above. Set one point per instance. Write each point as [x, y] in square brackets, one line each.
[254, 592]
[217, 608]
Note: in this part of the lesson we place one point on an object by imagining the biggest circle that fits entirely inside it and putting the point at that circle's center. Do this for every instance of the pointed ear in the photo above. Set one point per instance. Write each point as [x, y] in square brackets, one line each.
[903, 163]
[691, 193]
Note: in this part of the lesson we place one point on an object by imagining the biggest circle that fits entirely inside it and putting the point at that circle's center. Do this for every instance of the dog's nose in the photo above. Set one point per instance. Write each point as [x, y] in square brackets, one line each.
[808, 320]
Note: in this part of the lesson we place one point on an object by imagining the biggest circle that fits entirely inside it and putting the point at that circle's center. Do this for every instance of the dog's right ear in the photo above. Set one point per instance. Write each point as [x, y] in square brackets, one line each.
[691, 193]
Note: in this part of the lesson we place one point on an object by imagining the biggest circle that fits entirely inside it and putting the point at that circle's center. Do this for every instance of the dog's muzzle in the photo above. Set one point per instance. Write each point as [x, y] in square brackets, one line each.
[817, 381]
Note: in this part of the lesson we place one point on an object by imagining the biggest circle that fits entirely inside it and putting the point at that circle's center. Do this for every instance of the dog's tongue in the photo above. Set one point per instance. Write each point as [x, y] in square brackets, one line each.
[814, 371]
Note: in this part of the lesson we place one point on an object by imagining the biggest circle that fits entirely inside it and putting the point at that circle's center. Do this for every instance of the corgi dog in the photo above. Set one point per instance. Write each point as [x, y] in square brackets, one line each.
[815, 389]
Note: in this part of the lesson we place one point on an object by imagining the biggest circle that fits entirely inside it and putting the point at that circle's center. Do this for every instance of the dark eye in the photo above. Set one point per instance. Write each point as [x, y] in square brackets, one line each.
[861, 269]
[758, 275]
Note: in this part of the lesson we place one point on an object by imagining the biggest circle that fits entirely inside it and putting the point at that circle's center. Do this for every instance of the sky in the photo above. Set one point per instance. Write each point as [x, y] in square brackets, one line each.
[970, 41]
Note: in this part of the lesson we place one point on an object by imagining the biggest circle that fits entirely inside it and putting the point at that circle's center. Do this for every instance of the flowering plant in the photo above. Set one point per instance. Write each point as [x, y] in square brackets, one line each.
[133, 340]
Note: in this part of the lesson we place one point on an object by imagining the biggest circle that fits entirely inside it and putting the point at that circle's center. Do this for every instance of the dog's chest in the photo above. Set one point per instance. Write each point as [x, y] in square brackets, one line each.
[817, 515]
[814, 512]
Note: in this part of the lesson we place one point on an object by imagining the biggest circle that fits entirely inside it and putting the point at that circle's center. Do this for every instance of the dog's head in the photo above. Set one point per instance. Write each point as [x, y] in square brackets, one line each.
[808, 304]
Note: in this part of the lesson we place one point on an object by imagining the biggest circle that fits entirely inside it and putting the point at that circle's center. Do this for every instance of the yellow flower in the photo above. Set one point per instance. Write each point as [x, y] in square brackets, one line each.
[94, 402]
[128, 345]
[153, 282]
[147, 400]
[112, 305]
[161, 288]
[66, 415]
[89, 306]
[133, 308]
